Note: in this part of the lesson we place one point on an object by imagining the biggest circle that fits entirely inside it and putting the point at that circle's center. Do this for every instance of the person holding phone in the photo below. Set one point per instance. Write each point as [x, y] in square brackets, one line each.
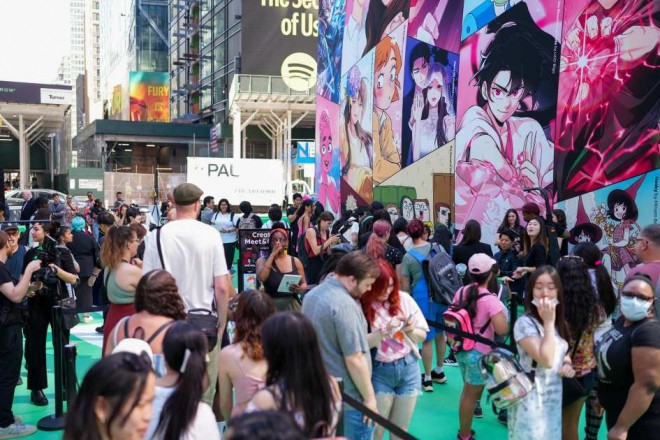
[271, 270]
[317, 242]
[397, 326]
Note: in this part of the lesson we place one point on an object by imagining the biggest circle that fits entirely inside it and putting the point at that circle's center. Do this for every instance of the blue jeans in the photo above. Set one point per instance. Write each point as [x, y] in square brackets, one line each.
[399, 378]
[354, 427]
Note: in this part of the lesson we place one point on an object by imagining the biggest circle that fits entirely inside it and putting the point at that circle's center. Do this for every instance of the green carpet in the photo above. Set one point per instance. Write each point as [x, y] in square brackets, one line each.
[435, 417]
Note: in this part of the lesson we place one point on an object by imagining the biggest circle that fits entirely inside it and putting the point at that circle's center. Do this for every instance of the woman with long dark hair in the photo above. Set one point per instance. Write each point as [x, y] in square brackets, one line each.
[582, 318]
[511, 221]
[179, 412]
[397, 326]
[607, 301]
[470, 244]
[121, 276]
[40, 306]
[317, 243]
[559, 219]
[541, 335]
[304, 216]
[114, 401]
[379, 248]
[488, 317]
[535, 248]
[242, 367]
[297, 381]
[383, 17]
[271, 271]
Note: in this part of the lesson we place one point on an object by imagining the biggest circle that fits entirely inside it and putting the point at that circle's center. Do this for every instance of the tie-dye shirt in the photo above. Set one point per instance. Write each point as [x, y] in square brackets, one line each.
[399, 345]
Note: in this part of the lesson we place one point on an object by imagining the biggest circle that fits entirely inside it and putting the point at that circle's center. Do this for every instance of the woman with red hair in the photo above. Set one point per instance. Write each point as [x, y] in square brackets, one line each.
[379, 248]
[396, 325]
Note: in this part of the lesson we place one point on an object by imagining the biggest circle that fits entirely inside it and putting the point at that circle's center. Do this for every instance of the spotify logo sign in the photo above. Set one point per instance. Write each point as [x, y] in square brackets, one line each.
[299, 71]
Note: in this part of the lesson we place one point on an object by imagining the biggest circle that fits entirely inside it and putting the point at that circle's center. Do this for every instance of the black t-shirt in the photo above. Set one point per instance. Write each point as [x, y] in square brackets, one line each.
[614, 355]
[5, 277]
[463, 252]
[536, 256]
[393, 255]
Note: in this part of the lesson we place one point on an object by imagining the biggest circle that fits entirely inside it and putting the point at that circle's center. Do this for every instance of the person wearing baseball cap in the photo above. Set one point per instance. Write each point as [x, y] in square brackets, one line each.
[14, 262]
[488, 317]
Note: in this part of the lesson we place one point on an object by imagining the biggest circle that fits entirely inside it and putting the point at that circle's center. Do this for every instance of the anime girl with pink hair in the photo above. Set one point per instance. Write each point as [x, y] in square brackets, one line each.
[328, 194]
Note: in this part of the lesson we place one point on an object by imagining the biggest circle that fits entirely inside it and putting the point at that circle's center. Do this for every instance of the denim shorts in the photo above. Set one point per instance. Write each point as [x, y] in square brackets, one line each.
[399, 378]
[468, 362]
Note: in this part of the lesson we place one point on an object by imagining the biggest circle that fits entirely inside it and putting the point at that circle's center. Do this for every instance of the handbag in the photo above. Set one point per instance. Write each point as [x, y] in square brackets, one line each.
[69, 320]
[202, 319]
[572, 388]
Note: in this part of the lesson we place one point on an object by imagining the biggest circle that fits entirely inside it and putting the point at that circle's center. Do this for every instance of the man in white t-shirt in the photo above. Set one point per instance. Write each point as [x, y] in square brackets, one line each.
[194, 255]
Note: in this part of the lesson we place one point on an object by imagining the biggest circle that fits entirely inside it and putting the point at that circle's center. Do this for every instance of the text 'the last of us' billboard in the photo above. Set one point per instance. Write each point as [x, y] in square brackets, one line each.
[282, 40]
[149, 96]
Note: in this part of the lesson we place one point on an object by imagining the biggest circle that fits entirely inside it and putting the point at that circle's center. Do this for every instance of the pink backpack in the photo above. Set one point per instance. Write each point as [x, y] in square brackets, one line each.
[459, 319]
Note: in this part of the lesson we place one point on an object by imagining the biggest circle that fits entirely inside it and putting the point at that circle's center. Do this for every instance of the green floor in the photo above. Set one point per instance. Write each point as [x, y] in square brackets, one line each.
[435, 417]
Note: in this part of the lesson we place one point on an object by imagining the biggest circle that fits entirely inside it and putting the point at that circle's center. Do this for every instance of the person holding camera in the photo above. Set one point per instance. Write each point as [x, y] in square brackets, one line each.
[11, 339]
[57, 269]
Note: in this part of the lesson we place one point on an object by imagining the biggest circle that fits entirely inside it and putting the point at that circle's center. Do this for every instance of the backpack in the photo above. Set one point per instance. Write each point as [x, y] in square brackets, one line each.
[215, 217]
[459, 318]
[247, 222]
[303, 255]
[441, 275]
[506, 381]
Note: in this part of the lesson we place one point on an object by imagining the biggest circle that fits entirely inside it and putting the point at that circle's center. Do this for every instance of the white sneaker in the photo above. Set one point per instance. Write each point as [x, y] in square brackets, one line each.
[87, 318]
[16, 430]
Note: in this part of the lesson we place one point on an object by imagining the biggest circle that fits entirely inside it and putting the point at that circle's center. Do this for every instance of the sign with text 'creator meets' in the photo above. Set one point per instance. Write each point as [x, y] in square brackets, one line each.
[259, 181]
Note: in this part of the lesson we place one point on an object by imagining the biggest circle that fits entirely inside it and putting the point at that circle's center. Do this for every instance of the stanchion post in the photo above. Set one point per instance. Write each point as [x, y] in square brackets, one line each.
[340, 423]
[70, 354]
[55, 422]
[513, 313]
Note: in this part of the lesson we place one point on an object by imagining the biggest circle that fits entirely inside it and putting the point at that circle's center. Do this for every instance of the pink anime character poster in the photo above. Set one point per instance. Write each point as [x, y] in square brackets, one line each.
[436, 22]
[387, 104]
[609, 96]
[327, 155]
[506, 109]
[355, 137]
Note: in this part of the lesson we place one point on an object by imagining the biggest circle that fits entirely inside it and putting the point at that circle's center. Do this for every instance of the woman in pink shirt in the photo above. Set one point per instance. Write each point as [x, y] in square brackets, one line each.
[488, 316]
[397, 326]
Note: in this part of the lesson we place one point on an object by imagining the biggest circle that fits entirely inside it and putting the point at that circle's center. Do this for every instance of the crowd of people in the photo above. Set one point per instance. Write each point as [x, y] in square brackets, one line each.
[185, 356]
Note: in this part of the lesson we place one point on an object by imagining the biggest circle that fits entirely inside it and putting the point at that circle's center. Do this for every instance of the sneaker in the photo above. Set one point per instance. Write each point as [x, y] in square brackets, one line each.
[471, 437]
[450, 361]
[87, 318]
[438, 377]
[503, 417]
[478, 412]
[99, 329]
[16, 430]
[20, 381]
[427, 385]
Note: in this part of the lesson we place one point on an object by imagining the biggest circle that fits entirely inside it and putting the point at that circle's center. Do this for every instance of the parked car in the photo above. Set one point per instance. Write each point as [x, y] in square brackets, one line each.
[14, 198]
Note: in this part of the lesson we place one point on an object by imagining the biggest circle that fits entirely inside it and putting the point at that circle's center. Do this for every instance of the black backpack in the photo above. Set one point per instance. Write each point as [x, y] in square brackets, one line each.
[441, 275]
[302, 249]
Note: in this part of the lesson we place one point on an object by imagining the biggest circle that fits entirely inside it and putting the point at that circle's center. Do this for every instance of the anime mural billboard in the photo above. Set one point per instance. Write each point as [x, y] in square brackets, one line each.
[331, 30]
[327, 156]
[609, 96]
[507, 102]
[355, 138]
[436, 22]
[429, 101]
[612, 218]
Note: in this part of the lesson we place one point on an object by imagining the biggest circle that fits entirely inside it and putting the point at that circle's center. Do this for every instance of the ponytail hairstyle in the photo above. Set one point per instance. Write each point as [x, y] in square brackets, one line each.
[470, 293]
[185, 351]
[376, 244]
[592, 257]
[113, 244]
[493, 285]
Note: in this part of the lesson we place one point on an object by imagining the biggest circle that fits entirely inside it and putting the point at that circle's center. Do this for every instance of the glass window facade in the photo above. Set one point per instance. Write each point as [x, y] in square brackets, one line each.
[151, 29]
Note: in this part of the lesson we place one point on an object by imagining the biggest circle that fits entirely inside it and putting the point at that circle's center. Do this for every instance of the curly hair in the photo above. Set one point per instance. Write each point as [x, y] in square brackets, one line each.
[157, 294]
[581, 301]
[115, 240]
[254, 307]
[378, 287]
[592, 257]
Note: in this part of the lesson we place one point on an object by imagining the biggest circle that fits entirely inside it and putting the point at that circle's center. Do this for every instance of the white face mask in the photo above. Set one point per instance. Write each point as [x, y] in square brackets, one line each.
[635, 309]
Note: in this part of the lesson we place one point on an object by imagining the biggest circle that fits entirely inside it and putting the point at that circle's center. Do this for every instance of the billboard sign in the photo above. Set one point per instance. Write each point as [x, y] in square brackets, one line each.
[149, 96]
[286, 43]
[259, 181]
[29, 93]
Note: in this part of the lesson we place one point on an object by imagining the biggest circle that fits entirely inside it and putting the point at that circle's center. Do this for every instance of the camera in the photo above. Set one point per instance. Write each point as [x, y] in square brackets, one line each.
[48, 255]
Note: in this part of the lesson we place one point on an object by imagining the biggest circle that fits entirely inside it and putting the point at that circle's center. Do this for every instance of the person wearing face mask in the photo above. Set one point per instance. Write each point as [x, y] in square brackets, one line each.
[629, 365]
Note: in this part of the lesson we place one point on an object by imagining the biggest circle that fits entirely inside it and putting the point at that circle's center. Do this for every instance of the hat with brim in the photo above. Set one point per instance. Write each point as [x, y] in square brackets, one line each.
[591, 229]
[187, 194]
[9, 227]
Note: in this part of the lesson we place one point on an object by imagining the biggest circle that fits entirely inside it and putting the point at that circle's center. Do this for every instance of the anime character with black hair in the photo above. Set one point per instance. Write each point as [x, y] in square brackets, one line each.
[501, 143]
[419, 60]
[356, 143]
[383, 17]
